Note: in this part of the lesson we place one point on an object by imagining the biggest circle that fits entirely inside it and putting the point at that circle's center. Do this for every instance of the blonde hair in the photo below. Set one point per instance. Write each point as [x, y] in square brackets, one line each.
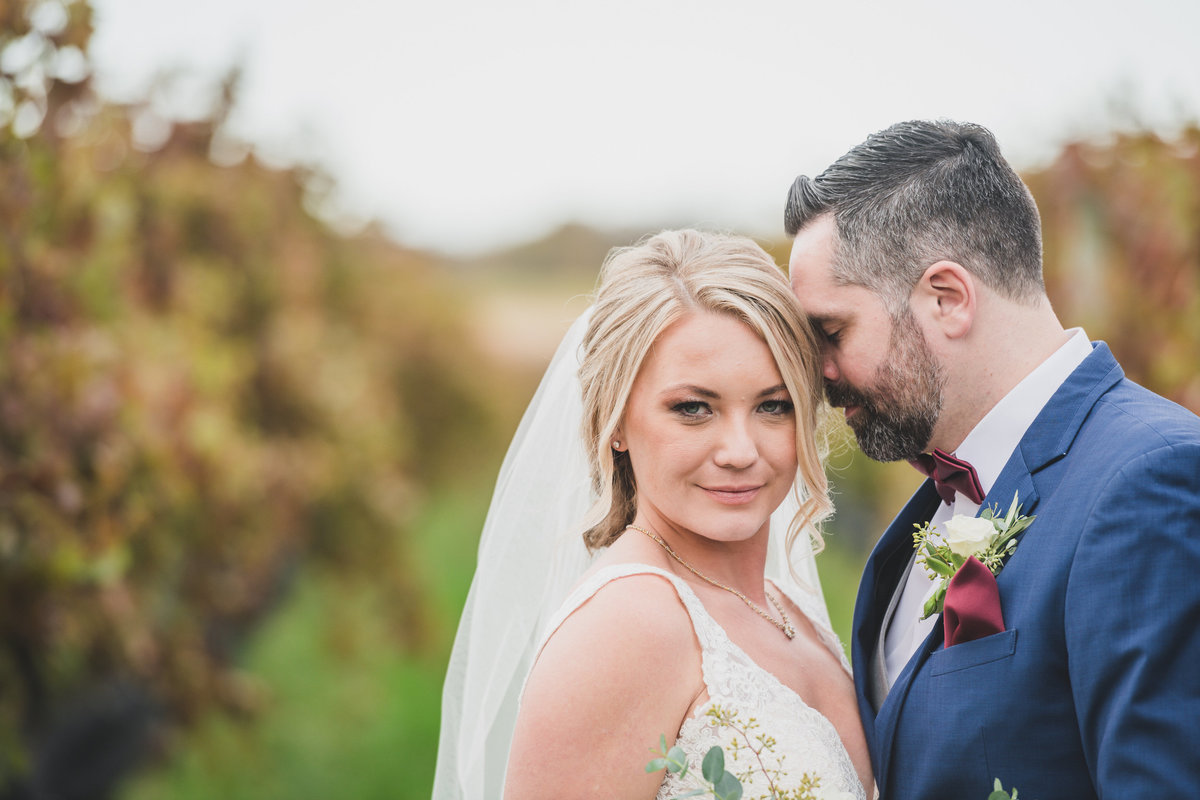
[645, 288]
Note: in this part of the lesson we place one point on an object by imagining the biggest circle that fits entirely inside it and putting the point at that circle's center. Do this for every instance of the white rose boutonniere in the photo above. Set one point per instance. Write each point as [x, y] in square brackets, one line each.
[988, 537]
[967, 536]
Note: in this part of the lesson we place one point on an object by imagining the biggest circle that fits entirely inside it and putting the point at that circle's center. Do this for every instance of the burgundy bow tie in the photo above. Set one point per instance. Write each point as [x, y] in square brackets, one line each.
[950, 475]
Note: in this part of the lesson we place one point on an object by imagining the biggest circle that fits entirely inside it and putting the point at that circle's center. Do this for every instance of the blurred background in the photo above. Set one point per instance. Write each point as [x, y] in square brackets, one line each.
[277, 280]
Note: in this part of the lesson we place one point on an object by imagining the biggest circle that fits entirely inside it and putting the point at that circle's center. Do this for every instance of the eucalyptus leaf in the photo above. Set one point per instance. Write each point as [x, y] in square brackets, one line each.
[939, 566]
[934, 604]
[677, 761]
[656, 764]
[1013, 510]
[713, 766]
[999, 793]
[692, 793]
[728, 788]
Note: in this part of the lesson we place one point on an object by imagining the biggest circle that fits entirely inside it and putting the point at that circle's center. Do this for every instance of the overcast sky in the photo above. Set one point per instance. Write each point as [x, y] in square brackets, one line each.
[463, 124]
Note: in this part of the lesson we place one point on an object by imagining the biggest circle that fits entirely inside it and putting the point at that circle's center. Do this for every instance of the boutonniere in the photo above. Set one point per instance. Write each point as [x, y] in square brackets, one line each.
[989, 538]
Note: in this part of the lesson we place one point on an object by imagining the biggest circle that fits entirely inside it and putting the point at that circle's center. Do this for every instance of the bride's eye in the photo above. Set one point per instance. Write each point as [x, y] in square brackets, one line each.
[690, 408]
[776, 407]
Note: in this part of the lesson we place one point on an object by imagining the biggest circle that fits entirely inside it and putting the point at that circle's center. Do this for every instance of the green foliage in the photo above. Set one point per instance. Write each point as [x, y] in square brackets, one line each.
[714, 779]
[840, 568]
[345, 699]
[344, 696]
[202, 390]
[1000, 794]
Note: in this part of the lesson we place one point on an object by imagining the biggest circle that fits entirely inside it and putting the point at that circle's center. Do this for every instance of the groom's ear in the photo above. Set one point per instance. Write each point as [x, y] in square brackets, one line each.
[946, 297]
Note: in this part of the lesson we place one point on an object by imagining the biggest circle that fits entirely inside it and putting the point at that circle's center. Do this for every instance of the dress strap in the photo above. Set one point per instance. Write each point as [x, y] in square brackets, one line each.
[708, 632]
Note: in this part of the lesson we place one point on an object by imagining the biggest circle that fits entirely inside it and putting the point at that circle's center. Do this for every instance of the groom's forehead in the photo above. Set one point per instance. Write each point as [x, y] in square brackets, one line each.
[812, 254]
[820, 294]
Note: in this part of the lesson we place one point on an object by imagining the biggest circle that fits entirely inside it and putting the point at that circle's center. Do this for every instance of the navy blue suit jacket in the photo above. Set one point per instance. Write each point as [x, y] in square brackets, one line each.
[1093, 689]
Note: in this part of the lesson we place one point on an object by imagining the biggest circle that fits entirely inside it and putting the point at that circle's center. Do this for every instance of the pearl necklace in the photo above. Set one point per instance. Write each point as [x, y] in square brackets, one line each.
[785, 625]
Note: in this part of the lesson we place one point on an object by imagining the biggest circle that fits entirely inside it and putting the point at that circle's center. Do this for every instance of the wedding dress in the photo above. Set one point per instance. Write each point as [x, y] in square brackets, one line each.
[735, 683]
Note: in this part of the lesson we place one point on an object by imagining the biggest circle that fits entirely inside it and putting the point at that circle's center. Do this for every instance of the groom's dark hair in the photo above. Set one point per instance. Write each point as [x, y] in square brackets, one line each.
[920, 192]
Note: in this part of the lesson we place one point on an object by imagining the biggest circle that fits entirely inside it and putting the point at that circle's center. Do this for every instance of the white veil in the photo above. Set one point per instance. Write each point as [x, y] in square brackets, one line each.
[531, 553]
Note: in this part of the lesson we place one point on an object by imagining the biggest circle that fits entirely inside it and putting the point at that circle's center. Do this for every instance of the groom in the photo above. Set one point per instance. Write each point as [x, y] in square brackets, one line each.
[918, 255]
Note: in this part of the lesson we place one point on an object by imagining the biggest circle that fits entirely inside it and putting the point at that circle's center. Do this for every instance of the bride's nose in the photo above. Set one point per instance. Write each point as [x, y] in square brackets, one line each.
[736, 447]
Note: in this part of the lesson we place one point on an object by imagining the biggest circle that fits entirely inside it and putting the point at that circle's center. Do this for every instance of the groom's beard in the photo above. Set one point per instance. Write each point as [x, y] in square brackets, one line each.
[896, 415]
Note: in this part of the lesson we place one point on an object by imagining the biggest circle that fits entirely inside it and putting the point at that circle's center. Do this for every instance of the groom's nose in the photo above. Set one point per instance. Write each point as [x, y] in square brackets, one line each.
[829, 367]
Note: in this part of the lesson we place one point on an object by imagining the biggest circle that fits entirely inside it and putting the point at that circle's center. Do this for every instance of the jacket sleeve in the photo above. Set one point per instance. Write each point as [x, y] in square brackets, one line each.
[1132, 622]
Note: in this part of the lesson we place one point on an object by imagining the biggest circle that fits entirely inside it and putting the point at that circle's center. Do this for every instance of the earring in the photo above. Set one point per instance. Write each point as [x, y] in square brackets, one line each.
[616, 445]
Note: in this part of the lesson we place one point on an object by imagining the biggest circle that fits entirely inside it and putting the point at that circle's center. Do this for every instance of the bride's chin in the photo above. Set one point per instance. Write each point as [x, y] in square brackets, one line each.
[735, 530]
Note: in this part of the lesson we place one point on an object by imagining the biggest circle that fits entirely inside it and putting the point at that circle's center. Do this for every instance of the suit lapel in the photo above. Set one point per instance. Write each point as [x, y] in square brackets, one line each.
[878, 677]
[881, 577]
[1050, 436]
[889, 712]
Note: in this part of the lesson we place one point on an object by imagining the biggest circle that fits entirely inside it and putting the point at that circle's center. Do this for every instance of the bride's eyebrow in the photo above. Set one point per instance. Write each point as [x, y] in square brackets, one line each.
[692, 388]
[711, 395]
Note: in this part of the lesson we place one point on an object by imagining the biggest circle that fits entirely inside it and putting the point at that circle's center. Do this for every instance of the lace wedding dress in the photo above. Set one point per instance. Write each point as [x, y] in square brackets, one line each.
[735, 683]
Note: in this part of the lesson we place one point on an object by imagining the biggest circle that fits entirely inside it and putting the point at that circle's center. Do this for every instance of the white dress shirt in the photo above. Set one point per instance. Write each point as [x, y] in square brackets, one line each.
[987, 447]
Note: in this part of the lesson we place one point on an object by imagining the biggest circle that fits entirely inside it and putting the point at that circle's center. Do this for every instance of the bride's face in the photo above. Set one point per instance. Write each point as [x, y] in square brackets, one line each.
[710, 430]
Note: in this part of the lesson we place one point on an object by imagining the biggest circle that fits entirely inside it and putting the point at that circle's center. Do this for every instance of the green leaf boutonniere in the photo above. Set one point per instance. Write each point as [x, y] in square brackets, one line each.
[988, 537]
[1000, 794]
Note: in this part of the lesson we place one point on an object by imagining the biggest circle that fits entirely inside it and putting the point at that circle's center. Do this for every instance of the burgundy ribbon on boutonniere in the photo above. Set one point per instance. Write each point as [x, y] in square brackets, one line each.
[972, 609]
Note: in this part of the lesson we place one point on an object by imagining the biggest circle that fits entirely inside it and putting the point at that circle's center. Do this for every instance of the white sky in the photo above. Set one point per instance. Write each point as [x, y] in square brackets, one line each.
[463, 124]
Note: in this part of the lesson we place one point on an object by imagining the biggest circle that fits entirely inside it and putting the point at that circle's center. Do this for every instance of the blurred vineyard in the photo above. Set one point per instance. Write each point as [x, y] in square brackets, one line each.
[244, 457]
[204, 393]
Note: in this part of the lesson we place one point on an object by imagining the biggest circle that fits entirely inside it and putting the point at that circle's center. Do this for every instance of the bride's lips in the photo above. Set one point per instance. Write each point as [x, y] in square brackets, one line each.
[732, 495]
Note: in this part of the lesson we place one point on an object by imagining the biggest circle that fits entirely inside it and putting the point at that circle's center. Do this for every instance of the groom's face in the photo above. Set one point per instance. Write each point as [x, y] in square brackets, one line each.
[878, 369]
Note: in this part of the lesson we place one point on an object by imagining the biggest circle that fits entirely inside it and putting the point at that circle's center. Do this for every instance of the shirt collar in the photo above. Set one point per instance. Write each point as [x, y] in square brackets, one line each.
[993, 439]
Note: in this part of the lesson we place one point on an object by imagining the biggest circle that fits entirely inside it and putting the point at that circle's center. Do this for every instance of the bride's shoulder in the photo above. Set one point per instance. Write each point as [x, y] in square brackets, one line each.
[608, 639]
[629, 609]
[620, 670]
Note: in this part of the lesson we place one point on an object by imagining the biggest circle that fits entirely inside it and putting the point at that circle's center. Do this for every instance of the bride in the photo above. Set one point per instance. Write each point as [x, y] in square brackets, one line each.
[700, 387]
